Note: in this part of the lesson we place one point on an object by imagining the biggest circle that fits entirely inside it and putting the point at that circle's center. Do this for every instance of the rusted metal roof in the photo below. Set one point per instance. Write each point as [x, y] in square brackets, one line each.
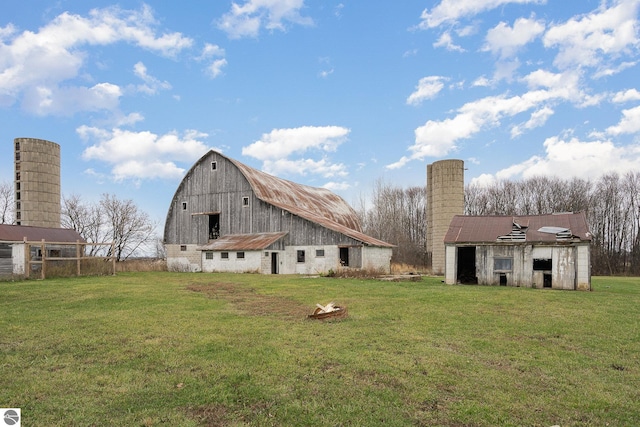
[531, 228]
[243, 242]
[18, 233]
[300, 199]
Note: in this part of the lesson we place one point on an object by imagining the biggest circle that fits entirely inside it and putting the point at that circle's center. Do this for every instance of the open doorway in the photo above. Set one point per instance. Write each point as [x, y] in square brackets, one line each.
[344, 257]
[274, 262]
[467, 265]
[214, 226]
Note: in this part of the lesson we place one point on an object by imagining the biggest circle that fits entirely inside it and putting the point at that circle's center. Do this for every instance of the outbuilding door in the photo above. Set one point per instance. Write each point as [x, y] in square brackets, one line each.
[467, 265]
[274, 262]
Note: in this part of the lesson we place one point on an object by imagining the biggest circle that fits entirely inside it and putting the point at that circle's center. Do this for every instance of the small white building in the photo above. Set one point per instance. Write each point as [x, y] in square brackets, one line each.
[539, 251]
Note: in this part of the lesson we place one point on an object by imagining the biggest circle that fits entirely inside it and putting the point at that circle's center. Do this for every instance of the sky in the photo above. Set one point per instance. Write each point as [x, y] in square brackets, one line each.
[329, 93]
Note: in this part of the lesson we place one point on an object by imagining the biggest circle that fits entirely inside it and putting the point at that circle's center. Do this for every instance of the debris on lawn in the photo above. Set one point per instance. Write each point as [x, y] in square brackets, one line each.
[328, 311]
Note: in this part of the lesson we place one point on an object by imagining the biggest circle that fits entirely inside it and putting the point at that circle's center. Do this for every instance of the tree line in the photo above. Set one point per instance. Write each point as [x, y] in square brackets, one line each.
[611, 205]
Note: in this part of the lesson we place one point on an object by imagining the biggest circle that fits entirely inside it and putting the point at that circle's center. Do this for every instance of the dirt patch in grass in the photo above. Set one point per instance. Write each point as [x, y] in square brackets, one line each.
[252, 303]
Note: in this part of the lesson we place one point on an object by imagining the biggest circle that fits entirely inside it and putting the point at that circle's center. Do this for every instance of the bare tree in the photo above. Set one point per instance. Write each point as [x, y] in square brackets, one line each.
[111, 220]
[6, 203]
[130, 229]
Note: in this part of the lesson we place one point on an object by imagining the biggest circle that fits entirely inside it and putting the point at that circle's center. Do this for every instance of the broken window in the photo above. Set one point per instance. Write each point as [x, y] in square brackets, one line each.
[245, 201]
[502, 264]
[300, 256]
[184, 206]
[183, 248]
[542, 264]
[214, 166]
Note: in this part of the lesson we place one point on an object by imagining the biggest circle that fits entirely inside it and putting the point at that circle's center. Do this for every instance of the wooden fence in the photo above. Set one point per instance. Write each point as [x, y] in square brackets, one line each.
[49, 254]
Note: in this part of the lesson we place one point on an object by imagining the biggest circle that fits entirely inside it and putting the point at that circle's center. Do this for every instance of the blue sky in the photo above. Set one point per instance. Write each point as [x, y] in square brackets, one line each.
[335, 94]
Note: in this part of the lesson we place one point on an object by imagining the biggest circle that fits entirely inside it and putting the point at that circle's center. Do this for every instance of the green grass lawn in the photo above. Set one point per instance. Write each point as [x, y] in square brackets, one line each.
[181, 349]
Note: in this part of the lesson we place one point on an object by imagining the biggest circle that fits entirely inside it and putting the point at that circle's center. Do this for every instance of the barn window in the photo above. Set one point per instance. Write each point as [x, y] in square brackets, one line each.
[300, 256]
[245, 201]
[319, 253]
[214, 166]
[240, 255]
[183, 248]
[208, 255]
[224, 255]
[184, 206]
[502, 264]
[542, 264]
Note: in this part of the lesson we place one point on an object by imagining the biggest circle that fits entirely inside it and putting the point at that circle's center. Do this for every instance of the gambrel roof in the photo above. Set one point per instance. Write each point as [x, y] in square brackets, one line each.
[531, 228]
[314, 204]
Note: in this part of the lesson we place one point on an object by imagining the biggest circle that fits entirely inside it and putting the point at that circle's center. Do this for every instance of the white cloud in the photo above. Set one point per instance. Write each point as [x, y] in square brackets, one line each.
[247, 19]
[588, 40]
[322, 167]
[450, 11]
[630, 122]
[438, 138]
[142, 155]
[151, 84]
[626, 96]
[428, 88]
[505, 41]
[446, 41]
[38, 65]
[580, 159]
[215, 54]
[538, 118]
[281, 143]
[292, 151]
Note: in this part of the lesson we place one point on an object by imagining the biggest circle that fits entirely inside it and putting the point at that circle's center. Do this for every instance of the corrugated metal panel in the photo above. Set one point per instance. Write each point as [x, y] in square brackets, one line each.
[483, 229]
[300, 199]
[17, 233]
[243, 242]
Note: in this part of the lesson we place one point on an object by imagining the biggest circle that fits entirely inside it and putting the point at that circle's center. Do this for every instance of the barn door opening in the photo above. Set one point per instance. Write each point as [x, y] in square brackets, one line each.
[214, 226]
[274, 262]
[344, 257]
[467, 265]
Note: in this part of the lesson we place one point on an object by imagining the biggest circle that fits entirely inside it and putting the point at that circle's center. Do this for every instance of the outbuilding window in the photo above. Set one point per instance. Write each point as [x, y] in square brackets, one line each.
[224, 255]
[502, 264]
[208, 255]
[240, 255]
[319, 253]
[300, 256]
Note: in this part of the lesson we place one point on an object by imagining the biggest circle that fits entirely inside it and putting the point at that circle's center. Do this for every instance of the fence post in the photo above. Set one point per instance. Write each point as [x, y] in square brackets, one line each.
[27, 258]
[113, 257]
[43, 256]
[78, 257]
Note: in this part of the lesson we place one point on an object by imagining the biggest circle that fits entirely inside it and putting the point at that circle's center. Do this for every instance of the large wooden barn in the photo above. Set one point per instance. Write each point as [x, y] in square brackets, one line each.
[541, 251]
[227, 216]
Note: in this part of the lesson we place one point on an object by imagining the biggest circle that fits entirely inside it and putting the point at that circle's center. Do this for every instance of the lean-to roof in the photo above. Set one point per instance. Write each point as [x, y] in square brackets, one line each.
[531, 228]
[243, 242]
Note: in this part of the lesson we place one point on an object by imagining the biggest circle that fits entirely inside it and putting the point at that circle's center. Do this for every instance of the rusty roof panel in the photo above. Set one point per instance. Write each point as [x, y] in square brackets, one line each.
[303, 198]
[484, 229]
[18, 233]
[243, 242]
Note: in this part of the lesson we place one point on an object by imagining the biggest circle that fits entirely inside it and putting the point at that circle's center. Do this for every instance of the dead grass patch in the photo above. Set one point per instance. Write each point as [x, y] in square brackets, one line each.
[248, 301]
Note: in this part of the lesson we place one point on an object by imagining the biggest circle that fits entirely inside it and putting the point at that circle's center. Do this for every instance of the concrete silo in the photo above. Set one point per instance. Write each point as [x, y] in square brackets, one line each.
[37, 182]
[445, 198]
